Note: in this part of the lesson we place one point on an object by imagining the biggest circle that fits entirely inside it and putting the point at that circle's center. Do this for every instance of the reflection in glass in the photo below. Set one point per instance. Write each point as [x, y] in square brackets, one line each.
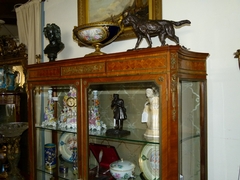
[12, 77]
[7, 113]
[189, 130]
[1, 77]
[20, 77]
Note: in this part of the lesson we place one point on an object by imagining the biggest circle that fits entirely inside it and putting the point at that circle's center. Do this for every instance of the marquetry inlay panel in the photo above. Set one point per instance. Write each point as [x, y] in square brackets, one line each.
[83, 69]
[138, 63]
[192, 65]
[46, 72]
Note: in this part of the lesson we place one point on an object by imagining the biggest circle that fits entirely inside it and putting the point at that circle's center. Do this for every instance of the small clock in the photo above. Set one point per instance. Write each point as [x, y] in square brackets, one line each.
[71, 101]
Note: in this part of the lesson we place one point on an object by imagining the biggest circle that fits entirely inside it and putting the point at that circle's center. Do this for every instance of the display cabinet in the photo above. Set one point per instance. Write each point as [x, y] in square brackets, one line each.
[132, 115]
[13, 107]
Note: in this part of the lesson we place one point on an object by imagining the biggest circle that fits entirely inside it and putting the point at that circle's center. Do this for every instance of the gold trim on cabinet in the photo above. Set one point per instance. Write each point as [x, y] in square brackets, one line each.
[83, 69]
[173, 90]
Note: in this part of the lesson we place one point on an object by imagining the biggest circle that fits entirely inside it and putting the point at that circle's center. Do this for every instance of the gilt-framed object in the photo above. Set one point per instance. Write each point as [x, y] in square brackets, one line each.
[105, 10]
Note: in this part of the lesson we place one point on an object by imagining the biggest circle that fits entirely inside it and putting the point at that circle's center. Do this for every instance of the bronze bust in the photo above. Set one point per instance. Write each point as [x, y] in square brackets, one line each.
[53, 33]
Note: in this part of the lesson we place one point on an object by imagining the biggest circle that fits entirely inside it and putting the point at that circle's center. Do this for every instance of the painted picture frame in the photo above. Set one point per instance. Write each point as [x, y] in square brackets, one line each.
[86, 7]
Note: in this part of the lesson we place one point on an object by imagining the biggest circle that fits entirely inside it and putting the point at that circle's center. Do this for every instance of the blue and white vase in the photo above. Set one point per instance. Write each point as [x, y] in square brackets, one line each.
[50, 155]
[74, 160]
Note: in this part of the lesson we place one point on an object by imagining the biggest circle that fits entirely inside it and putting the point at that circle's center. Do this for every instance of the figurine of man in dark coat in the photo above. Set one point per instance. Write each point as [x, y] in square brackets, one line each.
[119, 112]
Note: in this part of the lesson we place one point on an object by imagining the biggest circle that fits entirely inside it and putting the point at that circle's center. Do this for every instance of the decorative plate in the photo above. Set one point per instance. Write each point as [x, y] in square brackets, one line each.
[149, 161]
[67, 142]
[93, 34]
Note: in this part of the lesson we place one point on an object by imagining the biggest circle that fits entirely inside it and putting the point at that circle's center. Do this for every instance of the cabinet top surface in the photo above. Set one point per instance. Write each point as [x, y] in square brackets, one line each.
[150, 60]
[126, 54]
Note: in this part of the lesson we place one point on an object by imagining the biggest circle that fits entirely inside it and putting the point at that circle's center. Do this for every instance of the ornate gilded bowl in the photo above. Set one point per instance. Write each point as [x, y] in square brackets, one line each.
[97, 35]
[13, 129]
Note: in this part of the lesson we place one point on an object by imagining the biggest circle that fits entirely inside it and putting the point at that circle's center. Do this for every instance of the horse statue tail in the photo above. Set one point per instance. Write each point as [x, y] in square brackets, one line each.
[179, 23]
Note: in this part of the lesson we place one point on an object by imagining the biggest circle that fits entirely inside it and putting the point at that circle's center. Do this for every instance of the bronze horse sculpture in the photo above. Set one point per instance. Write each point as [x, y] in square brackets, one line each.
[145, 28]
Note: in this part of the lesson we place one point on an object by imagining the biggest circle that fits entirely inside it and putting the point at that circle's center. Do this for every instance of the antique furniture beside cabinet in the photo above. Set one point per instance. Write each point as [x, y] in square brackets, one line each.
[13, 58]
[179, 76]
[13, 97]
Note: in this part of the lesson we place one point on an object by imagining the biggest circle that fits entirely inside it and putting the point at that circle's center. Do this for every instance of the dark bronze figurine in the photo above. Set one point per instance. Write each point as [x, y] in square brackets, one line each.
[119, 115]
[53, 33]
[145, 28]
[119, 112]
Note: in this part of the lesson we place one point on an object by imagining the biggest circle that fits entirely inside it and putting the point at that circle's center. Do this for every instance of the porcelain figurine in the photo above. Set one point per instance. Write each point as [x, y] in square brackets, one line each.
[49, 119]
[68, 116]
[96, 126]
[151, 113]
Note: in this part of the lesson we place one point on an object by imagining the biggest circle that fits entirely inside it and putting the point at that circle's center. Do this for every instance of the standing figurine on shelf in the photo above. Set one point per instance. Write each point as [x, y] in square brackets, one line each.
[119, 112]
[53, 33]
[119, 115]
[49, 119]
[96, 126]
[68, 115]
[151, 113]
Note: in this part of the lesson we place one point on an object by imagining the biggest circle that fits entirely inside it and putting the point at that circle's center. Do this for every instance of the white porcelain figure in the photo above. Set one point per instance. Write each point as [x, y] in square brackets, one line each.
[151, 113]
[96, 126]
[68, 116]
[49, 119]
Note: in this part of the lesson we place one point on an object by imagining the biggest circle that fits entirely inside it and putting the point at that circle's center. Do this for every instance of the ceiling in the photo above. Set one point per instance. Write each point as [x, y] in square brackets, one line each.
[7, 12]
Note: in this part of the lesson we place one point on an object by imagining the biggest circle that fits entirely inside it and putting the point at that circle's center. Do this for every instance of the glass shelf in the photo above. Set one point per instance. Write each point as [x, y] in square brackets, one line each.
[56, 129]
[136, 135]
[69, 175]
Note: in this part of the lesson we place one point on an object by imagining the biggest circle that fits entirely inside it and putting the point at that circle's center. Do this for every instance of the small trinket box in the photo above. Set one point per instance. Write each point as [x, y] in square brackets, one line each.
[63, 169]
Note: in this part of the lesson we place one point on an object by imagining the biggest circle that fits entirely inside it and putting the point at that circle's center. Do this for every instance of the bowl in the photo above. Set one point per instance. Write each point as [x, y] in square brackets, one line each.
[13, 129]
[97, 35]
[122, 169]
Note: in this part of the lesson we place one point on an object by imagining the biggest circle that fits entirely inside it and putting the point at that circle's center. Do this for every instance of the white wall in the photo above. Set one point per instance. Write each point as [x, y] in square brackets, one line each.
[215, 29]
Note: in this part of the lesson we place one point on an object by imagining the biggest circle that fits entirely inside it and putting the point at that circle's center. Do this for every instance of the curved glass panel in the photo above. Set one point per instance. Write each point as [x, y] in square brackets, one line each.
[189, 128]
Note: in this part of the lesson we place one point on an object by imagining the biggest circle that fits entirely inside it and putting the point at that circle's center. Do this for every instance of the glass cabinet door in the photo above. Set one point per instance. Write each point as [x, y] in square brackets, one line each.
[55, 121]
[124, 130]
[191, 130]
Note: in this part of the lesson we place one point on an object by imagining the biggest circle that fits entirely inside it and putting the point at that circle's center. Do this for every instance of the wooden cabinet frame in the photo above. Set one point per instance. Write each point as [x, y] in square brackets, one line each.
[165, 65]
